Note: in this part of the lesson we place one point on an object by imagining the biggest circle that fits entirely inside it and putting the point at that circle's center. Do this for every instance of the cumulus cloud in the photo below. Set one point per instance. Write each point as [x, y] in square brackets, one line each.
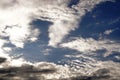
[7, 49]
[89, 68]
[15, 19]
[107, 32]
[2, 53]
[45, 71]
[91, 45]
[19, 35]
[69, 21]
[81, 64]
[21, 13]
[14, 23]
[117, 57]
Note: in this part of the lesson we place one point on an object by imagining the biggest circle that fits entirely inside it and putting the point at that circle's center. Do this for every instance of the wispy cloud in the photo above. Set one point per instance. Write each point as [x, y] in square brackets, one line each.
[20, 13]
[109, 31]
[69, 21]
[91, 45]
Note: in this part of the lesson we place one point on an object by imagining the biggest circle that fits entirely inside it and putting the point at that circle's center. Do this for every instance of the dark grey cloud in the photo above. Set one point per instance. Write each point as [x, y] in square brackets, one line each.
[33, 72]
[2, 59]
[4, 4]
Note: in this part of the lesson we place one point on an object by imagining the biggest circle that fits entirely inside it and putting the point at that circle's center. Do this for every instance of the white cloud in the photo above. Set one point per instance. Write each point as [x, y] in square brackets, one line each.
[2, 53]
[17, 16]
[20, 13]
[46, 51]
[85, 65]
[7, 49]
[58, 31]
[69, 22]
[19, 35]
[2, 42]
[18, 29]
[117, 57]
[17, 62]
[90, 45]
[107, 32]
[83, 69]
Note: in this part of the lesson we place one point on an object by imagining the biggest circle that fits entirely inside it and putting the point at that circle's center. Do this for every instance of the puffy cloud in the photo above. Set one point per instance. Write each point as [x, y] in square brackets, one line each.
[45, 71]
[15, 17]
[117, 57]
[107, 32]
[90, 68]
[59, 30]
[7, 49]
[42, 69]
[114, 71]
[69, 21]
[2, 53]
[20, 13]
[47, 51]
[19, 35]
[91, 45]
[83, 65]
[14, 24]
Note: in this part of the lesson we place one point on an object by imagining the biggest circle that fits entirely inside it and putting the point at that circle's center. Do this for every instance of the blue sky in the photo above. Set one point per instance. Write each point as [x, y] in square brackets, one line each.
[104, 16]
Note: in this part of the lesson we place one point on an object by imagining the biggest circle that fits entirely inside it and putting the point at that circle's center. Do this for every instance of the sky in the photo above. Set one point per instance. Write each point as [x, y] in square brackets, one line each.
[73, 36]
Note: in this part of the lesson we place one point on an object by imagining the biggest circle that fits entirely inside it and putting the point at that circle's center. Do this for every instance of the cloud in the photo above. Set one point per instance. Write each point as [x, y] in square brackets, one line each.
[2, 52]
[69, 21]
[2, 60]
[19, 35]
[7, 49]
[58, 31]
[107, 32]
[91, 45]
[18, 14]
[45, 71]
[89, 68]
[15, 19]
[114, 71]
[117, 57]
[46, 51]
[14, 23]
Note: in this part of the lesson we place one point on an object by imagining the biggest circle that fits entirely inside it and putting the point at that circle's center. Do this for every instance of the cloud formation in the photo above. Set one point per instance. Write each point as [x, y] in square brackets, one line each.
[14, 23]
[18, 14]
[107, 32]
[91, 45]
[46, 71]
[15, 28]
[69, 21]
